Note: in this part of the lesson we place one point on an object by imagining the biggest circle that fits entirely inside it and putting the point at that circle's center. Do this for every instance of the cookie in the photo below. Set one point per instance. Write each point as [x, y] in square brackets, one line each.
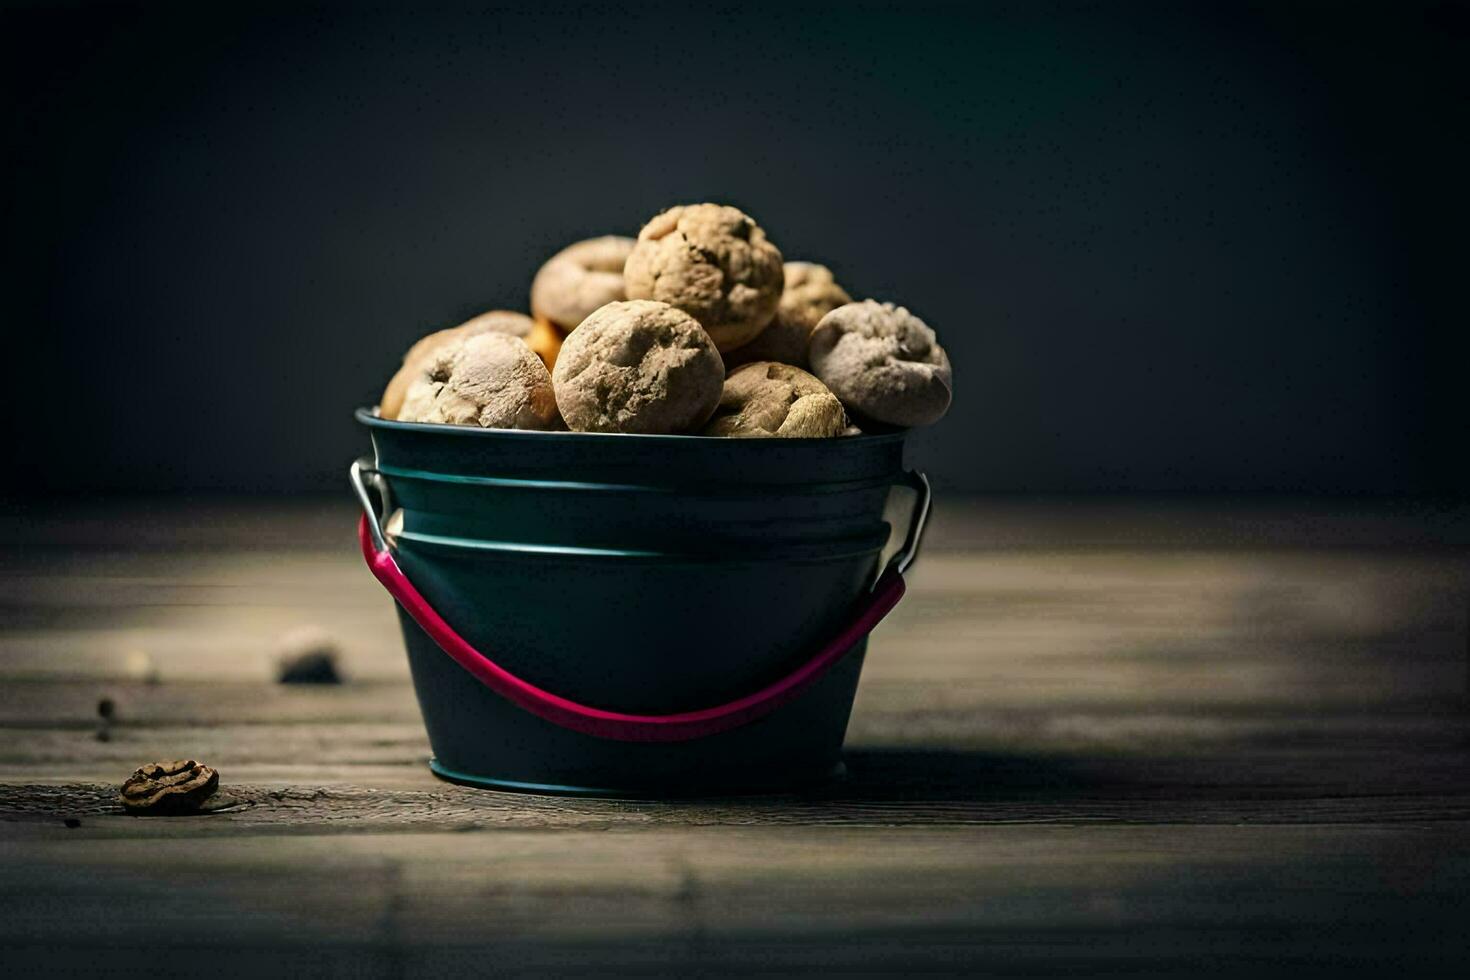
[178, 786]
[495, 321]
[579, 279]
[546, 339]
[638, 366]
[714, 263]
[883, 362]
[491, 380]
[768, 398]
[810, 294]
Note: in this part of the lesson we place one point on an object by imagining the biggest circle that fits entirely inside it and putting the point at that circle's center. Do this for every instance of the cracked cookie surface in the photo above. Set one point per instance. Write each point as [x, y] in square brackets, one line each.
[714, 263]
[883, 362]
[810, 293]
[177, 786]
[496, 321]
[579, 279]
[638, 366]
[491, 380]
[769, 399]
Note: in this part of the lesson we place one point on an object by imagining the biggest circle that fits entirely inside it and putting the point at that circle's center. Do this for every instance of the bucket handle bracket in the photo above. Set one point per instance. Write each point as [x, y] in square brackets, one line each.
[914, 536]
[361, 473]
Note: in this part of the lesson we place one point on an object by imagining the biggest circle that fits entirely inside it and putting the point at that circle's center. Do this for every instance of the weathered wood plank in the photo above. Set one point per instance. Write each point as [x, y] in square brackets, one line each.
[876, 795]
[1025, 899]
[889, 709]
[1095, 737]
[247, 729]
[1239, 625]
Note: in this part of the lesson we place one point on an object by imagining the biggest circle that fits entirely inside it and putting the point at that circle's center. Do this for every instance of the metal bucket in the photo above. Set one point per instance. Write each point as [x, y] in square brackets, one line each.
[634, 615]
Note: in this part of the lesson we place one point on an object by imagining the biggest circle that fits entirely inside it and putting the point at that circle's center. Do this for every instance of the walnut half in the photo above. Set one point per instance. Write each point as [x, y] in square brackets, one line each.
[179, 786]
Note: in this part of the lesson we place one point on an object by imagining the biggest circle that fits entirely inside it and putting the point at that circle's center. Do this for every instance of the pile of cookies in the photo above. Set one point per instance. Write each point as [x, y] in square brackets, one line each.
[697, 326]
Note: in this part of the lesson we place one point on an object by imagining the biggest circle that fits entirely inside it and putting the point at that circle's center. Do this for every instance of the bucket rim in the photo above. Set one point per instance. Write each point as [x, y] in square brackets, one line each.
[369, 417]
[819, 551]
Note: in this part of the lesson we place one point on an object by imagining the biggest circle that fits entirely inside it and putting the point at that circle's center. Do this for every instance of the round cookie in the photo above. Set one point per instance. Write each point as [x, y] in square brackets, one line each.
[495, 321]
[810, 294]
[883, 362]
[714, 263]
[579, 279]
[638, 366]
[490, 380]
[768, 398]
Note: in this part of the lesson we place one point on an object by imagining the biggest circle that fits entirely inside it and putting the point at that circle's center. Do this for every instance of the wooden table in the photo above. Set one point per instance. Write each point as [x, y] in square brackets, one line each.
[1097, 737]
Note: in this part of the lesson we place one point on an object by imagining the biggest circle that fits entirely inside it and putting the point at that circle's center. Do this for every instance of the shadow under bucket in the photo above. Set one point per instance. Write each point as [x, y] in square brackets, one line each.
[634, 615]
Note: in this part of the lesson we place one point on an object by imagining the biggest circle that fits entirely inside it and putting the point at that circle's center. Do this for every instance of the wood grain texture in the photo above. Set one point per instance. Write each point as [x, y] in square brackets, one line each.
[1096, 737]
[1033, 899]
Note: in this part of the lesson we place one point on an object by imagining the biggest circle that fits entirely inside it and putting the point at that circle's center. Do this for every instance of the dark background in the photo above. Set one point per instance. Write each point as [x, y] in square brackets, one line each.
[1169, 247]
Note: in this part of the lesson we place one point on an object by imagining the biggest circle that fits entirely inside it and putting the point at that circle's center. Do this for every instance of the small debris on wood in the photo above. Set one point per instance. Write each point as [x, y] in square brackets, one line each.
[179, 786]
[307, 655]
[107, 711]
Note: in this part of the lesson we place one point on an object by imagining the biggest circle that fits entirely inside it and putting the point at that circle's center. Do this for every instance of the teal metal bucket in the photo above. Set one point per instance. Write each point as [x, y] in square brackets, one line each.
[634, 615]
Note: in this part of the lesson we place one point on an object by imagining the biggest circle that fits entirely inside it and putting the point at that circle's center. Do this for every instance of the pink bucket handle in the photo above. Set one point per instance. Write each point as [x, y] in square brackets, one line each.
[679, 727]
